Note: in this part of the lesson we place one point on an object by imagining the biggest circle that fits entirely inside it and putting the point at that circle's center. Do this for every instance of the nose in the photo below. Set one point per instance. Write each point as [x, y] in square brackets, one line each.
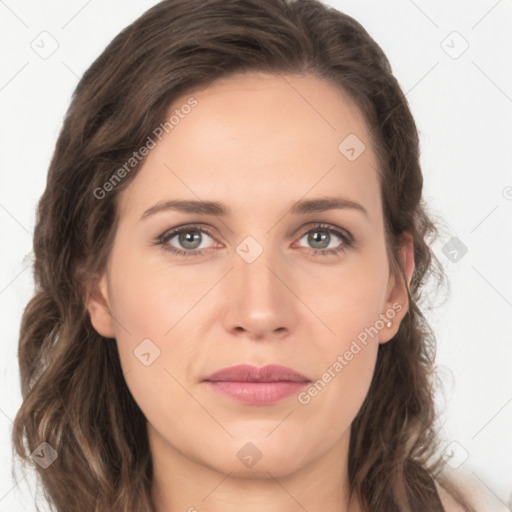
[261, 303]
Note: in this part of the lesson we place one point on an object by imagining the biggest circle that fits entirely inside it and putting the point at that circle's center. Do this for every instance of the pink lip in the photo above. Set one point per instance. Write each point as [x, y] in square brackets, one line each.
[257, 386]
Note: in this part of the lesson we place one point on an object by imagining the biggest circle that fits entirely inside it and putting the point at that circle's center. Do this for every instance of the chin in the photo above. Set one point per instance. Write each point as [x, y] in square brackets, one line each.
[257, 457]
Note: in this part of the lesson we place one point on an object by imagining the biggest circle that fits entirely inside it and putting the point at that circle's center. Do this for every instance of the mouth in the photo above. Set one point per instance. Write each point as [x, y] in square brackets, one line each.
[257, 386]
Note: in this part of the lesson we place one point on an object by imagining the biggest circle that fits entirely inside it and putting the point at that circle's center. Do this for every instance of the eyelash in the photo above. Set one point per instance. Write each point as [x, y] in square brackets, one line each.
[347, 238]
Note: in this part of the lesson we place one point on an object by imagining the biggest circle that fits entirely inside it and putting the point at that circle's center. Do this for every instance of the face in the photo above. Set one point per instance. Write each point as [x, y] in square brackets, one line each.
[272, 274]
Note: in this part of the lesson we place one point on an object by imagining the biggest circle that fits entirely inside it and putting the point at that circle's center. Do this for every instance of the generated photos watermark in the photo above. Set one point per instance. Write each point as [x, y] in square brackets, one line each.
[143, 151]
[361, 340]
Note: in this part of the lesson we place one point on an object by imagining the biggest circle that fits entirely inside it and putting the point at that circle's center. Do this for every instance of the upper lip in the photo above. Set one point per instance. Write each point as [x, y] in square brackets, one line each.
[248, 373]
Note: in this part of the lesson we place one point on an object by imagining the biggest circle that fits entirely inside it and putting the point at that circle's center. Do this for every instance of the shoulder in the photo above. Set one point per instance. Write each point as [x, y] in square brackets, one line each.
[478, 497]
[449, 503]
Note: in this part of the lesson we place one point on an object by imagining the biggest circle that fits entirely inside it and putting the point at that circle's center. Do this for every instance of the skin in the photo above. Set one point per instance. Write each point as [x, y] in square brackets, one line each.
[257, 143]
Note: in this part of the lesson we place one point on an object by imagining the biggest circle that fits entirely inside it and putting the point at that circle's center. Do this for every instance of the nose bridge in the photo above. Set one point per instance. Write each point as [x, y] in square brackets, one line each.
[255, 266]
[259, 301]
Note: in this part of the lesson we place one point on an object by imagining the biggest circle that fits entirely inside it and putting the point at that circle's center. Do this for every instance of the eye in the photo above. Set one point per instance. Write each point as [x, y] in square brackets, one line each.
[190, 238]
[321, 236]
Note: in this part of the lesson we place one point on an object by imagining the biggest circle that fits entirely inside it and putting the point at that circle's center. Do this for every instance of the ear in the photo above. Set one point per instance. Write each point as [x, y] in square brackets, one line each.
[397, 302]
[98, 305]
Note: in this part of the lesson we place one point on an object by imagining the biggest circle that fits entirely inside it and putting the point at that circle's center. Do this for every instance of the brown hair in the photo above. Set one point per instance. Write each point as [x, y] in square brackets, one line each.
[74, 394]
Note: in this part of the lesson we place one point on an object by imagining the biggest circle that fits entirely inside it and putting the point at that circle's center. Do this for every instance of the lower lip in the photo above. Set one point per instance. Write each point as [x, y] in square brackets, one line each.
[257, 393]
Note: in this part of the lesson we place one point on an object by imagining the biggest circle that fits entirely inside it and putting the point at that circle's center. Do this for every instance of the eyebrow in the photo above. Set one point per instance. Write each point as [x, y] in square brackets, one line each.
[303, 207]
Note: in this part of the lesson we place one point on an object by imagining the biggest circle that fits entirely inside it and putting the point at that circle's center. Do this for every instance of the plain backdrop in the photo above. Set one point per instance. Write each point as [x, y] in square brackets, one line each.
[452, 58]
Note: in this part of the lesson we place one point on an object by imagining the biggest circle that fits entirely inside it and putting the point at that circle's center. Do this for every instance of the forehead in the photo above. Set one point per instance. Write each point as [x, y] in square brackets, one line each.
[255, 135]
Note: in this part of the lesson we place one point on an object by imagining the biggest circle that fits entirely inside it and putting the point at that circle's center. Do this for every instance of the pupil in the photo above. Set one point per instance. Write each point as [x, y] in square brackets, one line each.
[313, 238]
[188, 238]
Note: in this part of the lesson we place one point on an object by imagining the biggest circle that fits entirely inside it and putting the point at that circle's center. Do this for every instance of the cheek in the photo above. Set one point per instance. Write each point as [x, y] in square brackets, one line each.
[346, 359]
[156, 309]
[353, 297]
[148, 306]
[149, 296]
[351, 304]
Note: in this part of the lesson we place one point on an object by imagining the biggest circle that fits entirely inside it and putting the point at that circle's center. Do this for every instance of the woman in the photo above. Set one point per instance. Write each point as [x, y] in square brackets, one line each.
[229, 254]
